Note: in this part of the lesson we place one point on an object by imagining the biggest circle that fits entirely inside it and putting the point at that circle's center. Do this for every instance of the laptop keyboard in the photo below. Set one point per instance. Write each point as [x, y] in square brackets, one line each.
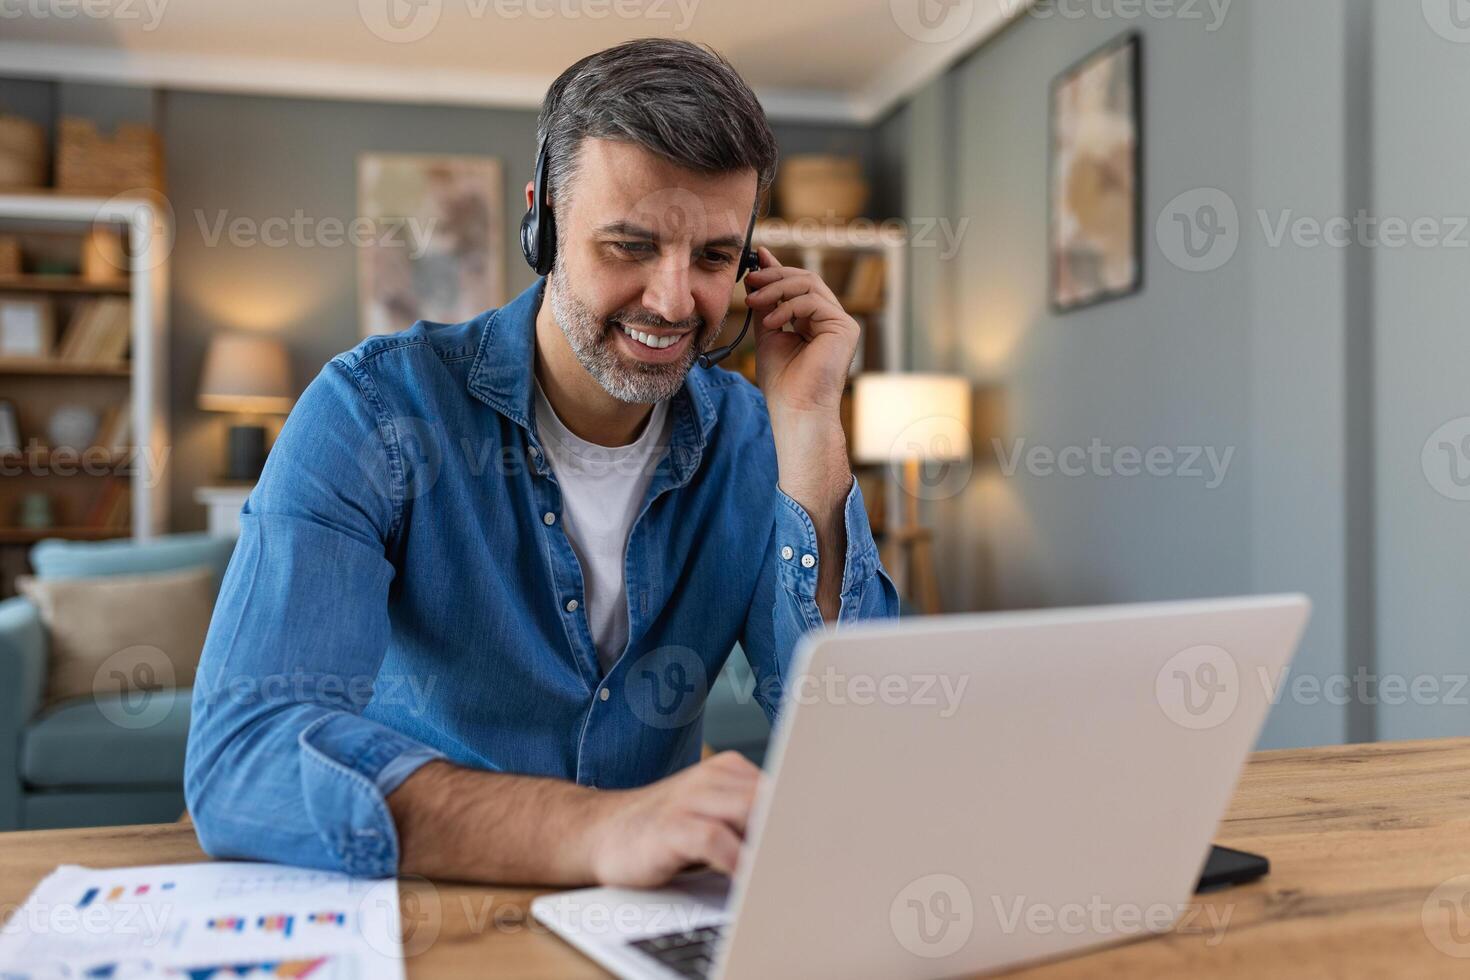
[689, 952]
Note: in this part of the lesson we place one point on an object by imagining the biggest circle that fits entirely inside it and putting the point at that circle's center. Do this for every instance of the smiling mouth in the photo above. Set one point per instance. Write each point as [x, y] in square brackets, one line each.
[652, 341]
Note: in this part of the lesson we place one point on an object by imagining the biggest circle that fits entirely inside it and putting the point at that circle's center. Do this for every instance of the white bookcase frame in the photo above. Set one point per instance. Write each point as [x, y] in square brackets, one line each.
[150, 240]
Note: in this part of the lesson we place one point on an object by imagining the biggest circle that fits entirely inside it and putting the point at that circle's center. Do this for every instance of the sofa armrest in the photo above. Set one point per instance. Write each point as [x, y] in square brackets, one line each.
[22, 681]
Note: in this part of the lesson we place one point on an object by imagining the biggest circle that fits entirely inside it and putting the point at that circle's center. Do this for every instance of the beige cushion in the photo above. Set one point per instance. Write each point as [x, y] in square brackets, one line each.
[122, 633]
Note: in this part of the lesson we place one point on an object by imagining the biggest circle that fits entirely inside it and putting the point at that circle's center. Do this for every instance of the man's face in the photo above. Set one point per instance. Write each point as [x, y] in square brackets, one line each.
[646, 259]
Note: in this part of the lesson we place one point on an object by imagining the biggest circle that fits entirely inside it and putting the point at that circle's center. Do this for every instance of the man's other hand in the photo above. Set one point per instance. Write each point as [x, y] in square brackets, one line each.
[643, 837]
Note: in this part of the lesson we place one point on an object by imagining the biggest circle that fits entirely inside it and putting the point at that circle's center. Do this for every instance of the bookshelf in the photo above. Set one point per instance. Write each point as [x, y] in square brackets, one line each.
[119, 374]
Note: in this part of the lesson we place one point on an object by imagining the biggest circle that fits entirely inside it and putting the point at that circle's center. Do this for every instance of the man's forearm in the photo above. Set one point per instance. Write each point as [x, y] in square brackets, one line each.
[470, 825]
[461, 824]
[811, 457]
[832, 546]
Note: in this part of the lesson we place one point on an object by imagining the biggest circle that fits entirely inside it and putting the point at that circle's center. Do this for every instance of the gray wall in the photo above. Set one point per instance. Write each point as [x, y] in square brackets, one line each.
[259, 158]
[1248, 359]
[1421, 311]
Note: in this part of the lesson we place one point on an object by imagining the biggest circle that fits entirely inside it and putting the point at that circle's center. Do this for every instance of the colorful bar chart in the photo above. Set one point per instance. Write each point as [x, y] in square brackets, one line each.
[297, 969]
[118, 891]
[276, 923]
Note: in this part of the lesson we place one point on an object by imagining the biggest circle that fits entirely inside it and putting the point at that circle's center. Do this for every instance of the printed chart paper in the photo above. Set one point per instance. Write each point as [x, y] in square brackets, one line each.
[208, 921]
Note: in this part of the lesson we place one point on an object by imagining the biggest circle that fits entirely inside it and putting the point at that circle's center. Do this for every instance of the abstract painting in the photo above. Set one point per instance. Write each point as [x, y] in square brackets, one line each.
[430, 239]
[1096, 163]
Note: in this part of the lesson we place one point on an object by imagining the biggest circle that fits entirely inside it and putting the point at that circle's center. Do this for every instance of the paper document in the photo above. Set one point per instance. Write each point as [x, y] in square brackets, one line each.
[204, 922]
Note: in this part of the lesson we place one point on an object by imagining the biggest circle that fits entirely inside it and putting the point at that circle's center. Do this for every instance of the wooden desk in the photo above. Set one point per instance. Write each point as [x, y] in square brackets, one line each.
[1359, 837]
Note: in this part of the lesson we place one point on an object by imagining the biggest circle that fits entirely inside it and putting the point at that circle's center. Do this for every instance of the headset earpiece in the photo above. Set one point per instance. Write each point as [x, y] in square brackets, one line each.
[538, 227]
[750, 261]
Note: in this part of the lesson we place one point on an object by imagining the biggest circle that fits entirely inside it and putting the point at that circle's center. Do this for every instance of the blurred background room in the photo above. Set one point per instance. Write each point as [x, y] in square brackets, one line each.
[1161, 300]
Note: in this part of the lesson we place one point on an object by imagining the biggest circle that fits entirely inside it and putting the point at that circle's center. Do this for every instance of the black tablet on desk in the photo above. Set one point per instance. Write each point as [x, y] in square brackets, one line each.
[1226, 866]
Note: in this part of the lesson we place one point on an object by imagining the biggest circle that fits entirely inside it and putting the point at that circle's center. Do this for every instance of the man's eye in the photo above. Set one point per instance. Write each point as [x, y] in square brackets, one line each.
[633, 248]
[718, 258]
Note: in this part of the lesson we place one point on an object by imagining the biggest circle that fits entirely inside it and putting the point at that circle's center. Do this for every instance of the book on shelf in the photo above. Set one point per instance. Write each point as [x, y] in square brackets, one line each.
[865, 283]
[114, 429]
[111, 508]
[99, 332]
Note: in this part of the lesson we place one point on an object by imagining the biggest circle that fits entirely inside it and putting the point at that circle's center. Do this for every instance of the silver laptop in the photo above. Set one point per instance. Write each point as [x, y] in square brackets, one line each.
[959, 795]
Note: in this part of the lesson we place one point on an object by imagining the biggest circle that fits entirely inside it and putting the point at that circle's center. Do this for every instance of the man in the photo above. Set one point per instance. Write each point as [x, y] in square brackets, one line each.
[492, 568]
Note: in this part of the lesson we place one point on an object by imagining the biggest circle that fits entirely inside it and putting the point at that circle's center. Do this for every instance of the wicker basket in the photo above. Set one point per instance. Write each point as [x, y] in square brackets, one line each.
[22, 154]
[89, 163]
[822, 187]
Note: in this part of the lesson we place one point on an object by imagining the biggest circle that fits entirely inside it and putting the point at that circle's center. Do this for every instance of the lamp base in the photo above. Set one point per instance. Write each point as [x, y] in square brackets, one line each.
[908, 552]
[245, 456]
[909, 557]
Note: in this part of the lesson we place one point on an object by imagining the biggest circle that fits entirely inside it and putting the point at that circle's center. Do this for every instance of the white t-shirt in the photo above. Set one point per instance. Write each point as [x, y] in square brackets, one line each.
[602, 492]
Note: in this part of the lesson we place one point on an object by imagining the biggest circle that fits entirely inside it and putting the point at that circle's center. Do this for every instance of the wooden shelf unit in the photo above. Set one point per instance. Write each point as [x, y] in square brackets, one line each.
[42, 456]
[137, 387]
[50, 366]
[29, 536]
[62, 284]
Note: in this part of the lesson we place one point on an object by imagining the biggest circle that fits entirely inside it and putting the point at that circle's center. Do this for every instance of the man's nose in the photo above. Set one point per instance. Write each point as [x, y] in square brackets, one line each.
[667, 292]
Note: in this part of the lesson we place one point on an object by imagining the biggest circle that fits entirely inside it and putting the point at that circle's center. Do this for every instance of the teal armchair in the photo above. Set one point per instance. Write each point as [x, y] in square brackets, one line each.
[69, 765]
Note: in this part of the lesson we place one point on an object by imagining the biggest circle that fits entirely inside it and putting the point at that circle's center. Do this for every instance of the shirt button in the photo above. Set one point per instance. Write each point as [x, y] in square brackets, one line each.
[548, 518]
[604, 694]
[808, 561]
[535, 453]
[786, 552]
[572, 605]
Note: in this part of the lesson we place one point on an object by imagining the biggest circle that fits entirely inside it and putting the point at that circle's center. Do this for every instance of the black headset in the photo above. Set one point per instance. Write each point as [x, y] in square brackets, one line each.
[538, 245]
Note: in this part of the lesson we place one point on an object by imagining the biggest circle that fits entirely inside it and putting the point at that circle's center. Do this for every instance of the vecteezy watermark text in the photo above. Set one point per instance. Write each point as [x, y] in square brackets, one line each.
[1207, 463]
[1211, 13]
[306, 231]
[1098, 916]
[406, 21]
[148, 11]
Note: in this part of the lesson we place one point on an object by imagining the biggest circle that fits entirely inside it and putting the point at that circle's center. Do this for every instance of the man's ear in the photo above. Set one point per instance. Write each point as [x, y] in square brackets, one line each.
[530, 194]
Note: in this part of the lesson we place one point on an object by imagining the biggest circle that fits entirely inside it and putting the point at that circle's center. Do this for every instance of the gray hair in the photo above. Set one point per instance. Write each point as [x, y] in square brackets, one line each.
[677, 99]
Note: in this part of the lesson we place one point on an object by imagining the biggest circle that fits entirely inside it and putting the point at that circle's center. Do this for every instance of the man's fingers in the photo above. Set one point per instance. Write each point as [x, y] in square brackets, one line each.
[795, 282]
[732, 761]
[773, 272]
[808, 314]
[701, 841]
[772, 293]
[768, 265]
[729, 804]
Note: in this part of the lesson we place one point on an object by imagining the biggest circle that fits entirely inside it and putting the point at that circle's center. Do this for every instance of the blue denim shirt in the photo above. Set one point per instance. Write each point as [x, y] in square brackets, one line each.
[403, 590]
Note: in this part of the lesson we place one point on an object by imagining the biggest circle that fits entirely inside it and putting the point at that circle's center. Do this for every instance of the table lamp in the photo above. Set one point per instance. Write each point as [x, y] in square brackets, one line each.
[912, 419]
[248, 375]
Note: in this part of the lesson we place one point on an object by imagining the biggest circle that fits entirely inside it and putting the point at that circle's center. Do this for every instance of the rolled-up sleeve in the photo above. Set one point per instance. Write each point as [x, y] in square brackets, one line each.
[785, 605]
[281, 764]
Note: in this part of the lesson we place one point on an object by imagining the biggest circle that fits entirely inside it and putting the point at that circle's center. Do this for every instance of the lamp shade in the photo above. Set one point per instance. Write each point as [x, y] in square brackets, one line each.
[246, 373]
[900, 417]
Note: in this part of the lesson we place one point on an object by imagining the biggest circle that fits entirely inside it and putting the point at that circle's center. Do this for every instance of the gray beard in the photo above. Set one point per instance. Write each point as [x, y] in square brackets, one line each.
[590, 338]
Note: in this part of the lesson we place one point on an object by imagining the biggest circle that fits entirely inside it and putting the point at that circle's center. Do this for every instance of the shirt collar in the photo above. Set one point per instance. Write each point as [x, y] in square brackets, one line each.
[503, 377]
